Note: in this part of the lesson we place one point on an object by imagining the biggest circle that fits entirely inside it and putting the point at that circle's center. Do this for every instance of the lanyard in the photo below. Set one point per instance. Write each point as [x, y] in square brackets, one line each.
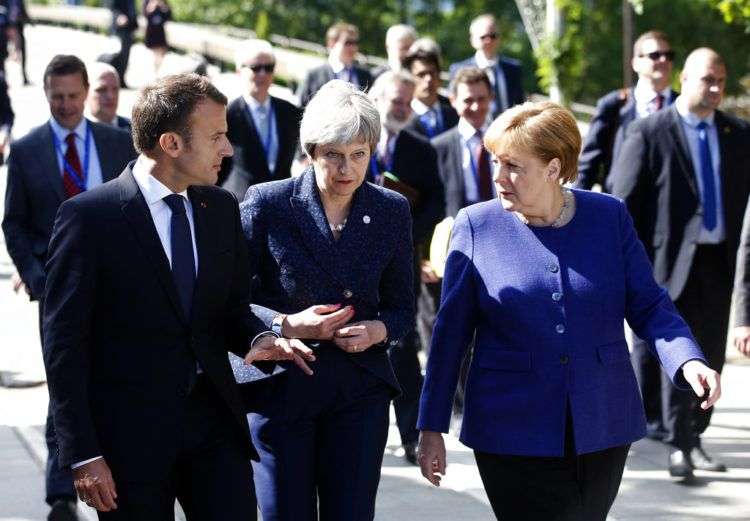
[80, 183]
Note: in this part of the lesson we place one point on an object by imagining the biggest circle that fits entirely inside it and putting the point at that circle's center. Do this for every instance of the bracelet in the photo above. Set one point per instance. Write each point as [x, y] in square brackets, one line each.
[261, 335]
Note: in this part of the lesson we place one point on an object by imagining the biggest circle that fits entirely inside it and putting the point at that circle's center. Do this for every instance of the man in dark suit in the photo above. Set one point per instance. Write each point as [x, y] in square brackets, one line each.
[104, 96]
[148, 288]
[18, 17]
[682, 173]
[43, 170]
[652, 61]
[504, 73]
[405, 162]
[124, 24]
[342, 41]
[433, 111]
[398, 40]
[263, 129]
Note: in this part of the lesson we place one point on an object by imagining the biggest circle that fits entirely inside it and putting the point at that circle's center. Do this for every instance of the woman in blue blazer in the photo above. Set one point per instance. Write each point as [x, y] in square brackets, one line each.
[332, 266]
[542, 280]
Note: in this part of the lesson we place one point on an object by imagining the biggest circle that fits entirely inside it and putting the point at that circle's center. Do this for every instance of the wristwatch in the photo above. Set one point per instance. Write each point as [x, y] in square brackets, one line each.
[277, 323]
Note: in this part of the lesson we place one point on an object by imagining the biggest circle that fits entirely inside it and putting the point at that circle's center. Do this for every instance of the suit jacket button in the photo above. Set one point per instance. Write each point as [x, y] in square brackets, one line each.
[560, 328]
[564, 359]
[348, 293]
[557, 296]
[553, 268]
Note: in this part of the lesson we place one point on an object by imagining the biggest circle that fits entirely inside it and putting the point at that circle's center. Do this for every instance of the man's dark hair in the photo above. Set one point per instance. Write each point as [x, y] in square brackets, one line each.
[423, 55]
[64, 64]
[469, 76]
[166, 106]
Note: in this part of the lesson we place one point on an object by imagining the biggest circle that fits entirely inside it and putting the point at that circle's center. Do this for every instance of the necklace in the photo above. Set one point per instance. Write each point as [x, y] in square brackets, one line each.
[337, 228]
[566, 212]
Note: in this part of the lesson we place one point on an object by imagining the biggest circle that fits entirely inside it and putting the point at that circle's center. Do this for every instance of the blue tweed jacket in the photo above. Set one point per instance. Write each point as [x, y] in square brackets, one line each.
[547, 306]
[296, 263]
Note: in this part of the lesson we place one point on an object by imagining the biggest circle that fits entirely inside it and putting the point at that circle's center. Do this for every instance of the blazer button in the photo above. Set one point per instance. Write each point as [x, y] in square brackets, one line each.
[553, 268]
[348, 293]
[564, 359]
[557, 296]
[560, 328]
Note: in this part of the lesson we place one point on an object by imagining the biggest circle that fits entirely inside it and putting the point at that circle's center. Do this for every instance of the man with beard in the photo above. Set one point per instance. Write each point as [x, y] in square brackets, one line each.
[406, 162]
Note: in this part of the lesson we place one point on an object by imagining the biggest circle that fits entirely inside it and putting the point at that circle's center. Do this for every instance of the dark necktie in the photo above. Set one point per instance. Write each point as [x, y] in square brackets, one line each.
[658, 102]
[70, 187]
[707, 176]
[483, 169]
[183, 260]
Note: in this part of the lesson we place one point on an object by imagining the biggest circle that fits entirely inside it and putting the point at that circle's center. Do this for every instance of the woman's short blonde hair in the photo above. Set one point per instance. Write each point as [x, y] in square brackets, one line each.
[543, 129]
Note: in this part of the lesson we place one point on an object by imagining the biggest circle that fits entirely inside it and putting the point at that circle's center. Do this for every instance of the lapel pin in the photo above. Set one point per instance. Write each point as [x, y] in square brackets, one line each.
[203, 204]
[366, 219]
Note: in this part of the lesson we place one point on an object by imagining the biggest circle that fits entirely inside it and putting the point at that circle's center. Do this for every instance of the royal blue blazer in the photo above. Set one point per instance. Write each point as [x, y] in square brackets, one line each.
[546, 306]
[296, 263]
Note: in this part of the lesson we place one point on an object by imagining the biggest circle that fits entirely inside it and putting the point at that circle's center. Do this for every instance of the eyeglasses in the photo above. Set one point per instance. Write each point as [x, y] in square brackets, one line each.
[657, 55]
[265, 67]
[488, 36]
[350, 43]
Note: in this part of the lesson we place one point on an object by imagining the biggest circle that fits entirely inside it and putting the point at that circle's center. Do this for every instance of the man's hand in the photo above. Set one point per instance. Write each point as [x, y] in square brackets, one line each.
[18, 284]
[741, 339]
[95, 486]
[317, 322]
[272, 348]
[701, 377]
[360, 336]
[122, 20]
[431, 456]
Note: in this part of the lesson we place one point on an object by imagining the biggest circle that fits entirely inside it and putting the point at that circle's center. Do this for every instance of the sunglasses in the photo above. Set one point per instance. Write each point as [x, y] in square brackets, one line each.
[350, 43]
[488, 36]
[657, 55]
[265, 67]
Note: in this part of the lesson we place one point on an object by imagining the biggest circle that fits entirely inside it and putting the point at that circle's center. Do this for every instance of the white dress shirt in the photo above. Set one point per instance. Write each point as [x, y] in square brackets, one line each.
[469, 141]
[94, 174]
[497, 78]
[689, 126]
[271, 126]
[342, 72]
[645, 97]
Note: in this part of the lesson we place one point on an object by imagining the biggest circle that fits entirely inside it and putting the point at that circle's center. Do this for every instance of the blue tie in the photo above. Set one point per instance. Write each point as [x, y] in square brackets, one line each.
[707, 175]
[183, 260]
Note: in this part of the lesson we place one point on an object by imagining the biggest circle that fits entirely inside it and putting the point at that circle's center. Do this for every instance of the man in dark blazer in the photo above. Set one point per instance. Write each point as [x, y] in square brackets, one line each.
[124, 24]
[342, 41]
[682, 173]
[104, 96]
[39, 180]
[504, 73]
[263, 129]
[433, 113]
[18, 17]
[652, 61]
[405, 162]
[148, 288]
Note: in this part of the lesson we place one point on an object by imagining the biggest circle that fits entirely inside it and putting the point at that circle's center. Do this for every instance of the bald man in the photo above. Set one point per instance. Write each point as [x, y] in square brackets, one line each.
[683, 174]
[104, 96]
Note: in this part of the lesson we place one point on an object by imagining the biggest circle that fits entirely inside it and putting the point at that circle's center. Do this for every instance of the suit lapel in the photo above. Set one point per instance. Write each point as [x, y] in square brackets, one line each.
[458, 166]
[682, 150]
[255, 147]
[106, 159]
[137, 213]
[627, 111]
[313, 225]
[50, 166]
[729, 186]
[203, 245]
[282, 133]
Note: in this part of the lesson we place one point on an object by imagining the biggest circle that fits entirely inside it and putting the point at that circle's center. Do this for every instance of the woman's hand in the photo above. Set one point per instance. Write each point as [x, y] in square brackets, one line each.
[359, 336]
[431, 456]
[317, 322]
[272, 348]
[701, 377]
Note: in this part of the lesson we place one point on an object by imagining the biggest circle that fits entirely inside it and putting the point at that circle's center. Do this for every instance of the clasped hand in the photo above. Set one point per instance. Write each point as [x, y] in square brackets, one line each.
[273, 348]
[331, 322]
[701, 377]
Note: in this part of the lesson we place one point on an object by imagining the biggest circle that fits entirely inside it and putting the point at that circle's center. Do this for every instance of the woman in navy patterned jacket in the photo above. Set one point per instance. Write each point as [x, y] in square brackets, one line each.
[542, 280]
[332, 266]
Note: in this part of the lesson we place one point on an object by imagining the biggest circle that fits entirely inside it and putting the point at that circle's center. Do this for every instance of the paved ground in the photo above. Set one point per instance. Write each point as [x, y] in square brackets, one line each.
[647, 492]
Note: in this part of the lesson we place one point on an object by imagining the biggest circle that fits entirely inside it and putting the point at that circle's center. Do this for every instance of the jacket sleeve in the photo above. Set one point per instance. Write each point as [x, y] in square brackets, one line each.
[649, 310]
[397, 282]
[70, 299]
[741, 294]
[454, 328]
[598, 144]
[17, 227]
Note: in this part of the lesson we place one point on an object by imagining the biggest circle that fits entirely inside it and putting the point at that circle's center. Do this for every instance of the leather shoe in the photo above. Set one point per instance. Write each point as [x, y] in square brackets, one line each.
[63, 510]
[703, 461]
[679, 464]
[410, 452]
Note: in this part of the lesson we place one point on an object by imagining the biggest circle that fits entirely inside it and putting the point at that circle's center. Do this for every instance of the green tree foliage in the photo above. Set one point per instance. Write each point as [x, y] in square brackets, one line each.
[734, 11]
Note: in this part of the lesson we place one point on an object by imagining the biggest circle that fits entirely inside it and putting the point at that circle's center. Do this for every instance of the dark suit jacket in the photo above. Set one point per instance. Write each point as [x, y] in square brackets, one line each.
[321, 75]
[614, 112]
[119, 351]
[35, 191]
[124, 123]
[297, 264]
[450, 167]
[654, 174]
[126, 7]
[447, 112]
[512, 72]
[414, 164]
[248, 165]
